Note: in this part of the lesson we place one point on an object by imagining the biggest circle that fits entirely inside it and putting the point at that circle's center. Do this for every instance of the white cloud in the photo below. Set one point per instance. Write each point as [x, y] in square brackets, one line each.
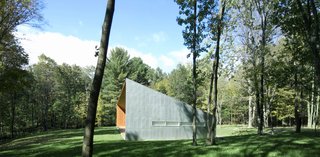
[147, 58]
[72, 50]
[167, 63]
[181, 56]
[61, 48]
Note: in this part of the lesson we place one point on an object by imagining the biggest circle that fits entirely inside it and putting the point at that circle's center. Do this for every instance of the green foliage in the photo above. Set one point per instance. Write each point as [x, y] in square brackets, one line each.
[71, 94]
[193, 21]
[118, 68]
[180, 84]
[284, 108]
[139, 71]
[163, 86]
[16, 12]
[14, 81]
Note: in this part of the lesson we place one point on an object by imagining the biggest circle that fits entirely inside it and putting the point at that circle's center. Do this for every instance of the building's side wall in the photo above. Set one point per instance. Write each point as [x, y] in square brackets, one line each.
[151, 115]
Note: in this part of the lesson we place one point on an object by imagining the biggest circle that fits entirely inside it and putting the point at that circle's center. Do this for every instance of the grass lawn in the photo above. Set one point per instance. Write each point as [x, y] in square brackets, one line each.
[233, 141]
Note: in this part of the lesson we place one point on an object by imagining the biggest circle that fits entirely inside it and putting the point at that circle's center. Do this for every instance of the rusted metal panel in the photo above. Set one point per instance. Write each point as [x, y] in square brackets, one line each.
[121, 118]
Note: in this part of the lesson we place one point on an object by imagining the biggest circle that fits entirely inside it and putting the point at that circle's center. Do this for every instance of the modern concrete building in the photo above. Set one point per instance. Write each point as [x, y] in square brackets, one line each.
[145, 114]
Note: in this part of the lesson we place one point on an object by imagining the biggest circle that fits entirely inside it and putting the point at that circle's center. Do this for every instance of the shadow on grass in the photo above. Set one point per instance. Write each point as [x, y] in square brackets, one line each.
[109, 143]
[283, 144]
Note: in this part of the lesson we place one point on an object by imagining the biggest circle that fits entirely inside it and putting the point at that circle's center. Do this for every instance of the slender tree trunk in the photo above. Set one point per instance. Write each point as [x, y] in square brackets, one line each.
[310, 108]
[46, 100]
[194, 78]
[13, 113]
[315, 104]
[250, 114]
[219, 113]
[312, 105]
[263, 49]
[250, 107]
[32, 114]
[257, 95]
[316, 118]
[45, 112]
[216, 67]
[296, 105]
[266, 113]
[209, 118]
[87, 148]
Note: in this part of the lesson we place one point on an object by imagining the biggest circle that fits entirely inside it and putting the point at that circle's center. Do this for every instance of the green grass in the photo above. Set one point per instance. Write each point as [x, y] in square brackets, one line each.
[233, 141]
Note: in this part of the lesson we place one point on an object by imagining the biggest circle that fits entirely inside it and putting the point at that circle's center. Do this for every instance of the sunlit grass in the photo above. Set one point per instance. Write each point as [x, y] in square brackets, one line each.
[232, 141]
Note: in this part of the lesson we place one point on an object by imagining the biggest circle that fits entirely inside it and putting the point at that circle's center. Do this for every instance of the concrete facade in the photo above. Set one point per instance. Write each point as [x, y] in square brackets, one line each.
[151, 115]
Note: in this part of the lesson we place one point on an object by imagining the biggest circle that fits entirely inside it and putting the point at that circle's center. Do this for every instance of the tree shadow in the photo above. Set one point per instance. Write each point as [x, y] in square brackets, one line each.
[285, 143]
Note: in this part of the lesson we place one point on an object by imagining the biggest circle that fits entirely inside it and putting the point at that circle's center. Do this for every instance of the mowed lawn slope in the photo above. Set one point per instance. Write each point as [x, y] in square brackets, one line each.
[233, 141]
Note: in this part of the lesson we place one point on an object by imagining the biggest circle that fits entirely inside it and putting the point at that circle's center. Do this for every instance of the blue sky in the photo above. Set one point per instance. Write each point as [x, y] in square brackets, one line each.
[147, 29]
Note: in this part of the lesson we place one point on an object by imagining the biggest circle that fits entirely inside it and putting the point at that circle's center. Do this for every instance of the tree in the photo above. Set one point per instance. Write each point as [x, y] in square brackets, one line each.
[215, 66]
[45, 74]
[193, 15]
[139, 71]
[299, 20]
[257, 34]
[13, 78]
[71, 87]
[117, 70]
[250, 56]
[87, 148]
[13, 75]
[17, 12]
[179, 84]
[309, 13]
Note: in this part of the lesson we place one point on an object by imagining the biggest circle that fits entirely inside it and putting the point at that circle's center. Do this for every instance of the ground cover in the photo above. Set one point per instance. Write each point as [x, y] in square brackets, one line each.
[233, 141]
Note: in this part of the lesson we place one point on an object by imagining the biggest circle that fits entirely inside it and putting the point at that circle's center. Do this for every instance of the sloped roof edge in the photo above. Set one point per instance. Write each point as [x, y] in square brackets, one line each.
[124, 88]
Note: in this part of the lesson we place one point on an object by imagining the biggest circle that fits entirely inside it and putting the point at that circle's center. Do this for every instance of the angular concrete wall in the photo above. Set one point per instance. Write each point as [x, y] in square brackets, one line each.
[151, 115]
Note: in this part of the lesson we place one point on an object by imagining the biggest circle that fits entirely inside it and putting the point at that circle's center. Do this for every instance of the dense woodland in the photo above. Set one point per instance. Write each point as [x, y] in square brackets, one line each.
[254, 62]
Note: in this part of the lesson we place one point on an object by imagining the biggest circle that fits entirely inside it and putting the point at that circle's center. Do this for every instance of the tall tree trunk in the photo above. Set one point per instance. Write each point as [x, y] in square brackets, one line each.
[251, 112]
[13, 113]
[87, 148]
[315, 105]
[266, 109]
[250, 107]
[45, 114]
[263, 13]
[316, 117]
[32, 114]
[296, 105]
[266, 112]
[216, 67]
[219, 119]
[257, 95]
[312, 105]
[194, 77]
[271, 92]
[262, 103]
[209, 117]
